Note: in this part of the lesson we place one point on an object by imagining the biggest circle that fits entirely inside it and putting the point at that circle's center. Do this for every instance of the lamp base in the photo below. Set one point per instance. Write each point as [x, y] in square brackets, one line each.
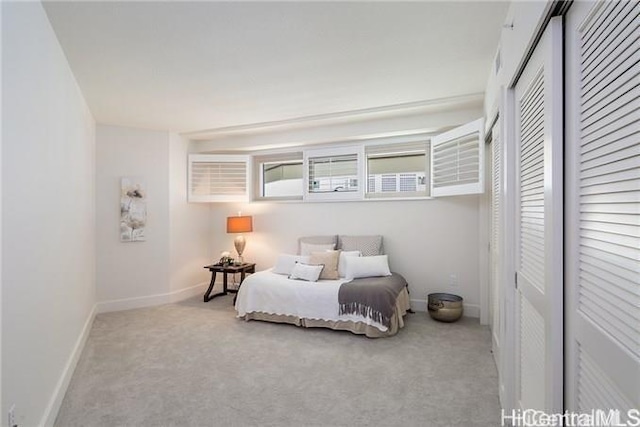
[239, 243]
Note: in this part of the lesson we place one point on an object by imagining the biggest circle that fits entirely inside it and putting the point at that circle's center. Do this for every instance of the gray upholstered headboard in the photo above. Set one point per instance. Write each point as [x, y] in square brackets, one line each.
[368, 245]
[318, 240]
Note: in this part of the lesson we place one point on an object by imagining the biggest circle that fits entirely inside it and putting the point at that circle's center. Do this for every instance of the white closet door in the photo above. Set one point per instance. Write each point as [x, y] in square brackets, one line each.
[538, 94]
[603, 206]
[496, 233]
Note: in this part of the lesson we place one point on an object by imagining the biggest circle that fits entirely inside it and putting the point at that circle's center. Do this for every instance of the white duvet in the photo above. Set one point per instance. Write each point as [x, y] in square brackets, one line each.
[272, 293]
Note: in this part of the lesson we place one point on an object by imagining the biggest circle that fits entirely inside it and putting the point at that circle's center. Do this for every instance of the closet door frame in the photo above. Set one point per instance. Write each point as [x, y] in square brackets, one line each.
[510, 365]
[508, 241]
[548, 300]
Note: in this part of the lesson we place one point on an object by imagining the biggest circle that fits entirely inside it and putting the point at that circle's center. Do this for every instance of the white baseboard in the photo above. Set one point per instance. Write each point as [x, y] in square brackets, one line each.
[419, 305]
[60, 390]
[470, 310]
[151, 300]
[183, 294]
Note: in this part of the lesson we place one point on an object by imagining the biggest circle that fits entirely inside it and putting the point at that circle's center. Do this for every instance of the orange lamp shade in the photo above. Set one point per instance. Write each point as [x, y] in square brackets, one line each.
[239, 224]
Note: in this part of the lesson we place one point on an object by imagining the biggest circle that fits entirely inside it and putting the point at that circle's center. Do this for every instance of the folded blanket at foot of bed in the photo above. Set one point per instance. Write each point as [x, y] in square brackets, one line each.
[372, 297]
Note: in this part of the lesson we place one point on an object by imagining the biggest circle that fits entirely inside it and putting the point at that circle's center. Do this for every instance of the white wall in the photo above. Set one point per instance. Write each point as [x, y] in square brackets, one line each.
[168, 266]
[426, 240]
[190, 227]
[48, 242]
[522, 23]
[133, 269]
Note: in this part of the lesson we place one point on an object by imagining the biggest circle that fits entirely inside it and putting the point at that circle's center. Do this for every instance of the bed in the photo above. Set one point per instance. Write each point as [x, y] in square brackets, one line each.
[371, 306]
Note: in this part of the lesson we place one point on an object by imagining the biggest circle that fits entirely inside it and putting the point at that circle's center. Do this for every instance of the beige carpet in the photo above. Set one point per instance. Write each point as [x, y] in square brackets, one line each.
[194, 364]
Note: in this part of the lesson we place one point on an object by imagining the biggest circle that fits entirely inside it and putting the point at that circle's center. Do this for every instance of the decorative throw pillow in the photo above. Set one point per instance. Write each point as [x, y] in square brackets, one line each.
[317, 240]
[367, 266]
[307, 272]
[342, 264]
[367, 245]
[330, 261]
[285, 263]
[307, 248]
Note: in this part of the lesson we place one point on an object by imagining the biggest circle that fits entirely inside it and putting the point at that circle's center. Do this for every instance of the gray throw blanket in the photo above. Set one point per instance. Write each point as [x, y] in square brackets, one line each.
[371, 297]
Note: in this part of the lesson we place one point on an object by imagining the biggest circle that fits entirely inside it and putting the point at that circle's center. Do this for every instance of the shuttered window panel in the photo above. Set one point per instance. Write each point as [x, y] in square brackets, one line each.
[609, 173]
[218, 178]
[457, 160]
[397, 169]
[531, 262]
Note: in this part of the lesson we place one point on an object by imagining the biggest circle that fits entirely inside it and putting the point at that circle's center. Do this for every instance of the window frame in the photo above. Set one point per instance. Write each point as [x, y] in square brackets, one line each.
[399, 195]
[357, 148]
[258, 166]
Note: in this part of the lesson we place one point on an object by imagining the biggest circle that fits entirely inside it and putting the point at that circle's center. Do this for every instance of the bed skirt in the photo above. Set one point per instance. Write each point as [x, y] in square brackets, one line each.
[360, 328]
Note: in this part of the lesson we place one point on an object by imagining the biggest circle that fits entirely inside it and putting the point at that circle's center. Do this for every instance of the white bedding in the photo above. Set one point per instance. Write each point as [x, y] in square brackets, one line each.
[272, 293]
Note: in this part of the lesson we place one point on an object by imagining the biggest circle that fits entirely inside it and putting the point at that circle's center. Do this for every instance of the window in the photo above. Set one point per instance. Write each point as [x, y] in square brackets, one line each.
[407, 166]
[279, 176]
[332, 174]
[397, 170]
[218, 178]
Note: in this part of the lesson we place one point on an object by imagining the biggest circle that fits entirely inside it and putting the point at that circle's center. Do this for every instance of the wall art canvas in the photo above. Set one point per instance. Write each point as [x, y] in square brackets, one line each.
[133, 209]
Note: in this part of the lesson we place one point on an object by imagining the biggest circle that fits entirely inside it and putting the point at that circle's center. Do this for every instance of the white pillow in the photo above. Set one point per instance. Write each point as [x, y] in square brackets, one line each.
[307, 248]
[285, 263]
[367, 266]
[307, 272]
[342, 264]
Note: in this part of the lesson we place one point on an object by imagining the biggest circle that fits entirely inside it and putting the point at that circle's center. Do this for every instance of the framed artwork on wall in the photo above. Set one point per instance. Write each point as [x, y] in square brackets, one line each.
[133, 209]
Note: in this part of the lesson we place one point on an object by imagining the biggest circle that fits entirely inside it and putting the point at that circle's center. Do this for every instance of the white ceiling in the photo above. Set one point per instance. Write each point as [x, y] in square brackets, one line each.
[191, 66]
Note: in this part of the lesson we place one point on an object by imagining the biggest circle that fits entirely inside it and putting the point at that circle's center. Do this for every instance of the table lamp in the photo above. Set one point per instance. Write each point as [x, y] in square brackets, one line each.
[239, 224]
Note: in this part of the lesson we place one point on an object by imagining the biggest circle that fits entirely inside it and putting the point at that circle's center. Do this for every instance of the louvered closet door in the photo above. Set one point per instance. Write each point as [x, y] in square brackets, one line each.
[538, 93]
[603, 202]
[496, 224]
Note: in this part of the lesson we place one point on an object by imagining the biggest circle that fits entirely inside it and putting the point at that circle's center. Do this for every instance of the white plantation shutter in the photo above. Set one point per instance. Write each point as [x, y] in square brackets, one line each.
[218, 178]
[604, 342]
[457, 159]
